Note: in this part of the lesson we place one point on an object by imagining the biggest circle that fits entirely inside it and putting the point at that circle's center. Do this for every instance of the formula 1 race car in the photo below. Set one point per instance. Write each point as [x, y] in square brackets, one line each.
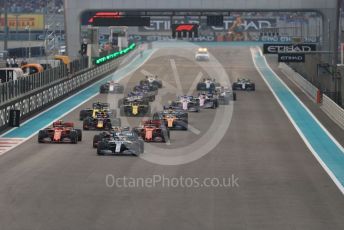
[97, 107]
[244, 84]
[130, 99]
[152, 81]
[108, 134]
[173, 119]
[202, 54]
[137, 96]
[145, 95]
[60, 132]
[148, 89]
[101, 121]
[186, 103]
[153, 131]
[208, 101]
[224, 95]
[135, 108]
[112, 87]
[123, 142]
[207, 85]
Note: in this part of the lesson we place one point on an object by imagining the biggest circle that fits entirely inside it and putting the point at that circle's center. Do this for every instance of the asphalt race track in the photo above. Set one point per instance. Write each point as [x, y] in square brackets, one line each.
[280, 183]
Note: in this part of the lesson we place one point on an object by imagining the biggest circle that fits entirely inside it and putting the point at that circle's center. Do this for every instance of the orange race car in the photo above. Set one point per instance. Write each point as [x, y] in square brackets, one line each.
[174, 119]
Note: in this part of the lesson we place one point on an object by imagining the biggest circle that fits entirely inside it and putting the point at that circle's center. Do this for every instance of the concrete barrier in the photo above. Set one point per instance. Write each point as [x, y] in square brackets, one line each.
[334, 111]
[307, 87]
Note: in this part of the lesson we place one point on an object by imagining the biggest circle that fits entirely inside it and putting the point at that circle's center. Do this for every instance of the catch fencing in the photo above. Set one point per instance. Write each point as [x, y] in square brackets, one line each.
[56, 89]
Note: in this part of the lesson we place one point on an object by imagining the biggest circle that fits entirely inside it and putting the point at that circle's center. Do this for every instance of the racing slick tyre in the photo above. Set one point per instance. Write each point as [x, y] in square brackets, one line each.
[186, 122]
[214, 105]
[142, 146]
[216, 102]
[165, 134]
[144, 82]
[101, 147]
[86, 124]
[84, 114]
[235, 86]
[253, 87]
[156, 117]
[79, 132]
[113, 113]
[96, 139]
[103, 90]
[185, 125]
[108, 126]
[157, 84]
[234, 96]
[137, 130]
[41, 135]
[120, 102]
[73, 137]
[200, 86]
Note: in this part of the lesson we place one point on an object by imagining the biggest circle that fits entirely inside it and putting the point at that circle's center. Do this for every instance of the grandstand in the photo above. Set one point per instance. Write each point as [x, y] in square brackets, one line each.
[34, 6]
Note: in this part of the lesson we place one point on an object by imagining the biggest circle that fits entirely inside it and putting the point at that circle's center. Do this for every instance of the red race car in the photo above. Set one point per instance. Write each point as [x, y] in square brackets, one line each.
[60, 132]
[153, 131]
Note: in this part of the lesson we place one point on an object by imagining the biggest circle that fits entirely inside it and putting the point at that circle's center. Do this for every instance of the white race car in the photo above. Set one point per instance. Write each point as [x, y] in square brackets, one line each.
[202, 54]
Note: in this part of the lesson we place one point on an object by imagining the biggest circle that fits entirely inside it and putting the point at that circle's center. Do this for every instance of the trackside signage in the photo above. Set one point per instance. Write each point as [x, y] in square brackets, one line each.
[288, 48]
[291, 57]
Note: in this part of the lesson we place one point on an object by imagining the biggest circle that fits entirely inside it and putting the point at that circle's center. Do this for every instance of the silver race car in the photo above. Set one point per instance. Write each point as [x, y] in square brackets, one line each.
[244, 84]
[121, 143]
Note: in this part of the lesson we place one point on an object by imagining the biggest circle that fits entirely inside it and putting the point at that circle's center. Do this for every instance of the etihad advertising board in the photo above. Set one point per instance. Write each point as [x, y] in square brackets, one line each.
[21, 22]
[165, 24]
[288, 48]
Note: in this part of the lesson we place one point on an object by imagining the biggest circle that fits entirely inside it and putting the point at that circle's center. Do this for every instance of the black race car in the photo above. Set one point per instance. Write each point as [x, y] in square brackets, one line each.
[244, 84]
[150, 80]
[133, 96]
[174, 119]
[123, 142]
[101, 121]
[151, 89]
[112, 87]
[207, 85]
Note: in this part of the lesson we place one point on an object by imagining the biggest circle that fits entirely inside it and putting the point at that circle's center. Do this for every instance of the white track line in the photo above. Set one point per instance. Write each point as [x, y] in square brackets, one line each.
[6, 144]
[176, 77]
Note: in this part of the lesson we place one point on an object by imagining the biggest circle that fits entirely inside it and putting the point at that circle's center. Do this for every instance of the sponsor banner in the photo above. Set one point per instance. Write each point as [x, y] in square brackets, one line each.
[288, 48]
[288, 39]
[22, 21]
[203, 37]
[256, 24]
[152, 38]
[291, 57]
